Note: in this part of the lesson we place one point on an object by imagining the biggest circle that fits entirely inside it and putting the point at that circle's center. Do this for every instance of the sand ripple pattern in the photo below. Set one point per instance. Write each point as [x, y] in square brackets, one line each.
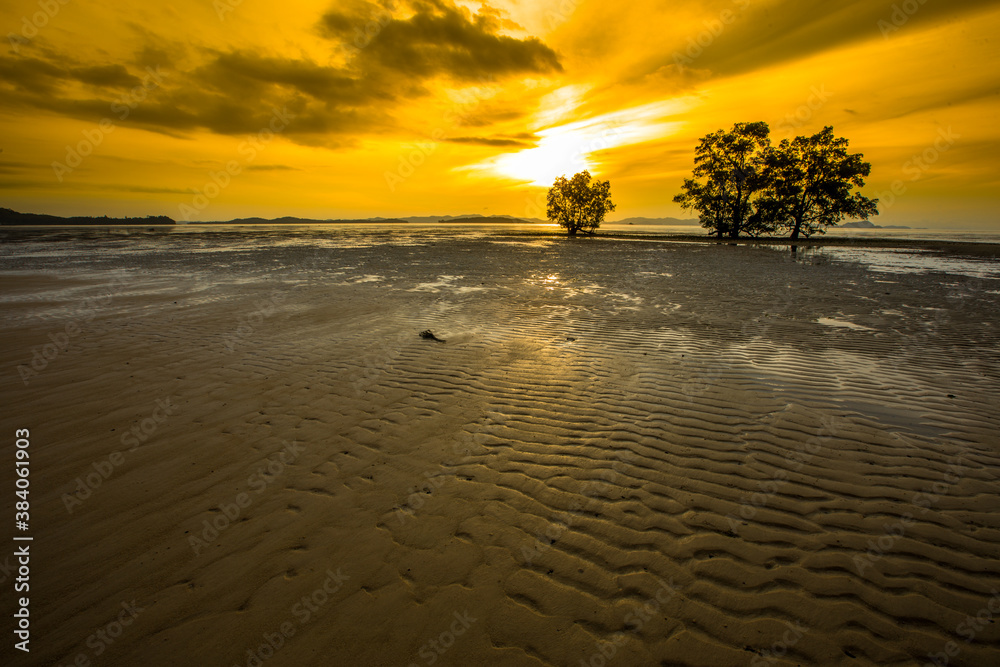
[638, 459]
[615, 459]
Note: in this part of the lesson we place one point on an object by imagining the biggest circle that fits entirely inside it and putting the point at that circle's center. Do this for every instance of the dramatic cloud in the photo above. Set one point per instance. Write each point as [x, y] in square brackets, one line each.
[236, 91]
[438, 38]
[39, 77]
[790, 30]
[491, 141]
[402, 107]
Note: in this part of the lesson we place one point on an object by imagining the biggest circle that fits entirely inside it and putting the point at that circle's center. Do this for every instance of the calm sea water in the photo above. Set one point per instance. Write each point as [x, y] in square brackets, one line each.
[88, 249]
[964, 235]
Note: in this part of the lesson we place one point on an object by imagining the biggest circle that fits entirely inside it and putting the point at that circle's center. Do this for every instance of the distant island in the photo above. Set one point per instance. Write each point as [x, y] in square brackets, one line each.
[487, 219]
[288, 220]
[413, 220]
[9, 217]
[867, 224]
[656, 221]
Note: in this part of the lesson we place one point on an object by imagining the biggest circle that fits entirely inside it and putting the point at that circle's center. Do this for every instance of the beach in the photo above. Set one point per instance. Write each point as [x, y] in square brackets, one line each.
[626, 451]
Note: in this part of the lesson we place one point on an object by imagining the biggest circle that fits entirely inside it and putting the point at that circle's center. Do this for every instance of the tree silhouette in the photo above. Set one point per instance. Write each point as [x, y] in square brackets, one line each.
[579, 205]
[731, 166]
[809, 183]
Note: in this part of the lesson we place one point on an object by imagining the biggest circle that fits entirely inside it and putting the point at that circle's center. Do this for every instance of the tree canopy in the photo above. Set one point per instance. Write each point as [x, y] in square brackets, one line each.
[809, 183]
[743, 185]
[578, 204]
[731, 164]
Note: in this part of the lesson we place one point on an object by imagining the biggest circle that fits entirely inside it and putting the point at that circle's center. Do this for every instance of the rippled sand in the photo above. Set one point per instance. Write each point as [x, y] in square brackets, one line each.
[626, 453]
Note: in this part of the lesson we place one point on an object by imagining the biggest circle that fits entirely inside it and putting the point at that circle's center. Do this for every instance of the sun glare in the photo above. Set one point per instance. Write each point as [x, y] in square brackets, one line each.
[568, 149]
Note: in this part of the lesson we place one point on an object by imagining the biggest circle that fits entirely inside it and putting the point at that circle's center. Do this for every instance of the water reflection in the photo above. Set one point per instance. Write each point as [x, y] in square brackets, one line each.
[893, 260]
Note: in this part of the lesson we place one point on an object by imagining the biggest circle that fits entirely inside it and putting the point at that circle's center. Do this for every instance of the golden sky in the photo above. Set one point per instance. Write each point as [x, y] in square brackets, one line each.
[215, 109]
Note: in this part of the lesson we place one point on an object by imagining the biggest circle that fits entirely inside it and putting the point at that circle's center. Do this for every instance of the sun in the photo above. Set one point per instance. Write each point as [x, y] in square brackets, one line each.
[557, 155]
[568, 149]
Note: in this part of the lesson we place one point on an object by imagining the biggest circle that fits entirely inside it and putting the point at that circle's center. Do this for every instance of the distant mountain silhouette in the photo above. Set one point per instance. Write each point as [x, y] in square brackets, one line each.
[655, 221]
[9, 217]
[414, 220]
[486, 219]
[867, 224]
[288, 220]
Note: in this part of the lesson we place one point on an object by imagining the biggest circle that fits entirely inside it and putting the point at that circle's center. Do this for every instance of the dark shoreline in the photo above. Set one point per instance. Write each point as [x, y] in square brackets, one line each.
[977, 249]
[980, 249]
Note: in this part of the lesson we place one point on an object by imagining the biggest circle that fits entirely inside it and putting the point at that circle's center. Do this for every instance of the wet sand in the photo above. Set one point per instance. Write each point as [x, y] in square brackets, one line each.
[628, 452]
